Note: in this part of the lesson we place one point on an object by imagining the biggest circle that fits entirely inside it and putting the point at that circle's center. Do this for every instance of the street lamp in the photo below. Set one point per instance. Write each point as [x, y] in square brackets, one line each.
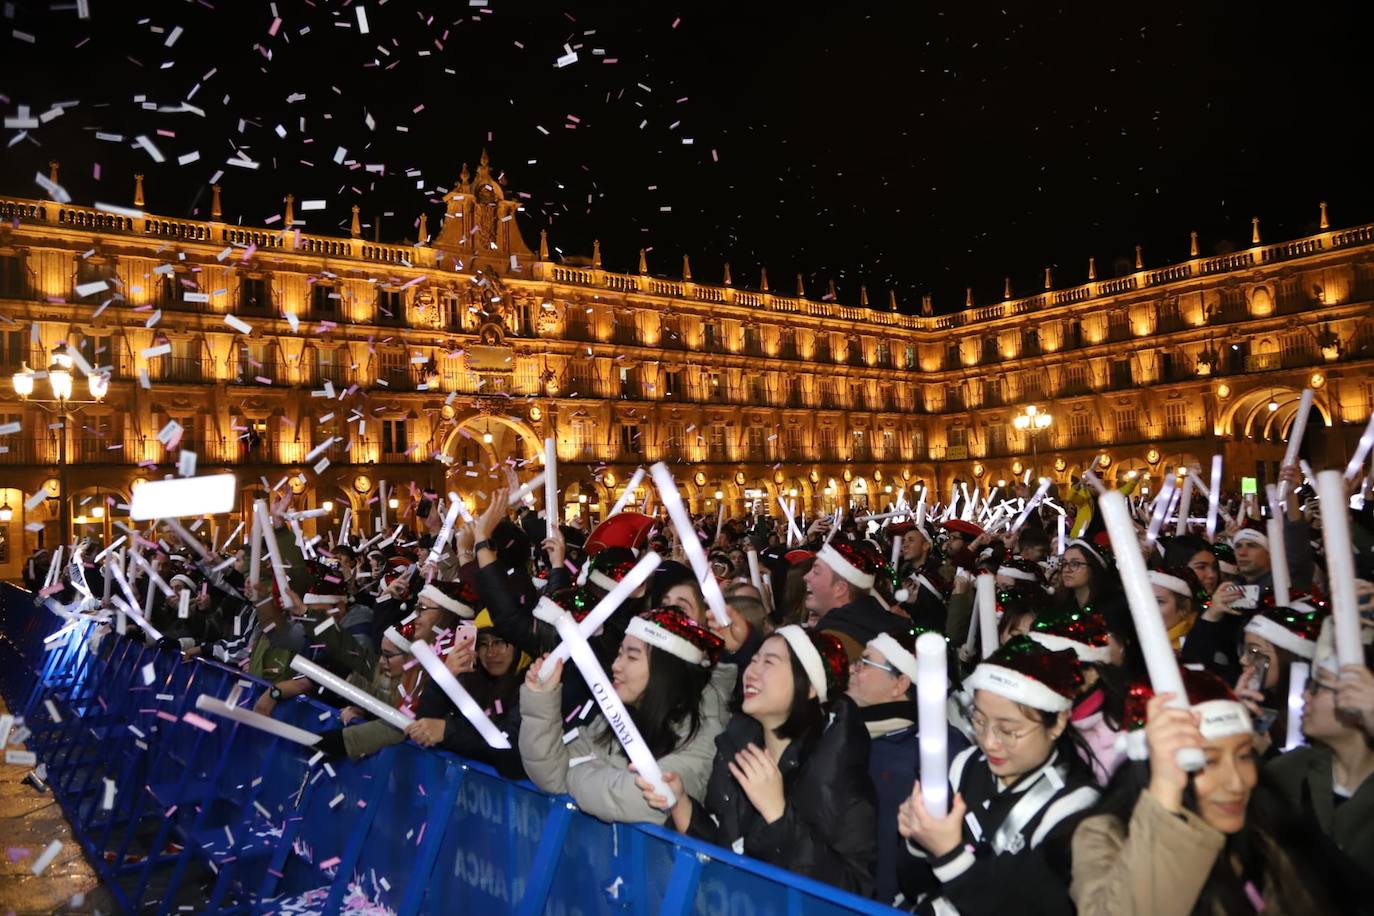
[60, 383]
[1034, 421]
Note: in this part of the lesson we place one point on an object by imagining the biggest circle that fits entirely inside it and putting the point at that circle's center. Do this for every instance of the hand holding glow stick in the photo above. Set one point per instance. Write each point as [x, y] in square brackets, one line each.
[547, 611]
[525, 489]
[932, 682]
[617, 716]
[446, 682]
[360, 698]
[1149, 623]
[551, 486]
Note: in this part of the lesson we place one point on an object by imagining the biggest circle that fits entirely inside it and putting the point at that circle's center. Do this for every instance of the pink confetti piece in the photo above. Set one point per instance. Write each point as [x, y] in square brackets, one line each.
[330, 863]
[199, 722]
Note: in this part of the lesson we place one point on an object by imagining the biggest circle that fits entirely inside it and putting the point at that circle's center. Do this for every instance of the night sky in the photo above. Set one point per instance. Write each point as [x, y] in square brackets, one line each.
[923, 147]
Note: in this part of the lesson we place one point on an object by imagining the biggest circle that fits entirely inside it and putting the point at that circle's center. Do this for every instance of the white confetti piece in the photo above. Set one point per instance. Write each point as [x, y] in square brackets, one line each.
[336, 800]
[239, 325]
[152, 150]
[170, 433]
[312, 205]
[9, 429]
[188, 158]
[149, 674]
[108, 801]
[89, 289]
[6, 726]
[52, 711]
[21, 758]
[186, 463]
[44, 859]
[34, 501]
[362, 19]
[159, 350]
[183, 496]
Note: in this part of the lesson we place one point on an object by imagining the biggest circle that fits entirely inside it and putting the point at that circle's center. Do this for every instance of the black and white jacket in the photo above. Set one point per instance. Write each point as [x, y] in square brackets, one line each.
[1002, 864]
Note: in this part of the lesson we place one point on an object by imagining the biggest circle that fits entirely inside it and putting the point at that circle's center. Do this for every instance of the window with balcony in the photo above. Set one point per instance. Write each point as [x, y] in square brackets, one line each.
[822, 350]
[14, 277]
[1030, 342]
[630, 442]
[577, 323]
[676, 446]
[626, 330]
[1121, 373]
[1075, 334]
[990, 351]
[795, 397]
[1032, 385]
[1118, 326]
[787, 343]
[255, 296]
[255, 362]
[712, 340]
[854, 349]
[792, 442]
[14, 351]
[997, 438]
[956, 442]
[860, 450]
[758, 390]
[172, 287]
[829, 451]
[394, 438]
[672, 334]
[324, 300]
[584, 439]
[391, 306]
[393, 368]
[581, 380]
[1075, 379]
[909, 357]
[672, 385]
[1176, 416]
[994, 392]
[753, 340]
[94, 269]
[1080, 427]
[758, 444]
[918, 444]
[716, 445]
[882, 353]
[858, 396]
[629, 383]
[954, 397]
[888, 447]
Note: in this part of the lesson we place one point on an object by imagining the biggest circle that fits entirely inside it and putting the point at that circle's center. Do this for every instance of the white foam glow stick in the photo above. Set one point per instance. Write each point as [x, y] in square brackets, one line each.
[720, 519]
[547, 611]
[1340, 566]
[153, 577]
[189, 539]
[230, 539]
[1031, 504]
[525, 489]
[630, 488]
[218, 707]
[1213, 499]
[444, 679]
[255, 551]
[1149, 623]
[1298, 673]
[1278, 549]
[1185, 503]
[1352, 470]
[303, 514]
[672, 501]
[1162, 503]
[755, 576]
[463, 513]
[444, 531]
[551, 513]
[182, 496]
[1295, 434]
[1062, 541]
[792, 530]
[617, 716]
[273, 552]
[345, 525]
[363, 700]
[986, 586]
[932, 682]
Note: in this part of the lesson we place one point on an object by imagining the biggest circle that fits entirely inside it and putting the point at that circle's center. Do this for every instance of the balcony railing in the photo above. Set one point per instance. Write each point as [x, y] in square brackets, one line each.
[179, 369]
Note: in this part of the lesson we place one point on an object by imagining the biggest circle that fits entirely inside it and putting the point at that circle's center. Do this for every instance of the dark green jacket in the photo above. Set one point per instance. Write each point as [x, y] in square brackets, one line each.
[1304, 777]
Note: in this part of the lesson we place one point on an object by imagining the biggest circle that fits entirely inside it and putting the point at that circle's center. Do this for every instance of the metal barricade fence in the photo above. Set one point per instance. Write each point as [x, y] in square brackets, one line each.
[178, 812]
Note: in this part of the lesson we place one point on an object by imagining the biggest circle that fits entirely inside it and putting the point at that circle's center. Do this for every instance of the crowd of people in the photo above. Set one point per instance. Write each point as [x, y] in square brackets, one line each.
[784, 723]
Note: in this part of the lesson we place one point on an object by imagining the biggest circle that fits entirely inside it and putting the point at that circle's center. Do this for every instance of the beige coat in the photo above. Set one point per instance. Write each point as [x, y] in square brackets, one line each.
[594, 772]
[1159, 868]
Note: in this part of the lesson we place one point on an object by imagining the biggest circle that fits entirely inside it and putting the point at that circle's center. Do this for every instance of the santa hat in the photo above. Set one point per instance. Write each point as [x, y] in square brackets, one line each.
[901, 657]
[1021, 570]
[1098, 553]
[1253, 536]
[965, 529]
[326, 586]
[607, 568]
[677, 634]
[184, 580]
[822, 657]
[1221, 714]
[1180, 580]
[1295, 627]
[850, 563]
[1083, 631]
[451, 596]
[1028, 673]
[1226, 558]
[624, 529]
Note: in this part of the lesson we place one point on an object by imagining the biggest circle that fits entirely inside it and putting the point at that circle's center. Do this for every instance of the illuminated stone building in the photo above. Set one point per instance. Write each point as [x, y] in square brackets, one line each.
[472, 347]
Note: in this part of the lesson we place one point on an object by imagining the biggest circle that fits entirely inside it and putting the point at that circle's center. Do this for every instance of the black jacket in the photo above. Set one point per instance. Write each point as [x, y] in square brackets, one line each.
[462, 738]
[978, 878]
[827, 831]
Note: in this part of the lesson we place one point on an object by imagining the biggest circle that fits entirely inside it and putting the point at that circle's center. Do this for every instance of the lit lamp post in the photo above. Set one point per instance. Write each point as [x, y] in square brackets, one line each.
[59, 377]
[1034, 421]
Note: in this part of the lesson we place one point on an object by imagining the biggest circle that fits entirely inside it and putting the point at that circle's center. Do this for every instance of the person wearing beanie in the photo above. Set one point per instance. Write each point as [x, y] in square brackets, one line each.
[1209, 842]
[491, 670]
[1014, 793]
[1330, 780]
[789, 784]
[840, 595]
[1272, 640]
[882, 683]
[664, 675]
[1099, 707]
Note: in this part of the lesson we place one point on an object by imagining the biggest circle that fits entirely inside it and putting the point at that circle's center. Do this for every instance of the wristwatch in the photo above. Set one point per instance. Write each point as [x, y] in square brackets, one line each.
[275, 693]
[484, 545]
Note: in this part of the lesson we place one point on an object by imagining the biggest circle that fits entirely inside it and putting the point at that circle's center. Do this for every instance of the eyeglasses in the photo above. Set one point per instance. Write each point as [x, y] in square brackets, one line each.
[390, 655]
[879, 665]
[1073, 564]
[1004, 736]
[1314, 687]
[487, 645]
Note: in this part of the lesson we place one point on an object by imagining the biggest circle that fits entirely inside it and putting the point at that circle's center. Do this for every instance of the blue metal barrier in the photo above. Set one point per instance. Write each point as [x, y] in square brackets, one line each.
[233, 820]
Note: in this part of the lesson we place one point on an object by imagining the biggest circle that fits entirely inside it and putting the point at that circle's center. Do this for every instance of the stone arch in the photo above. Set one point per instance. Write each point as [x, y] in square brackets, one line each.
[478, 425]
[1248, 415]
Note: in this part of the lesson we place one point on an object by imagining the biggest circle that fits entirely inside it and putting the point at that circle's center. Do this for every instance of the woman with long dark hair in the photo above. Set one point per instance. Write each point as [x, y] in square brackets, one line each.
[786, 786]
[1013, 792]
[1087, 576]
[1099, 706]
[1166, 841]
[661, 673]
[1271, 642]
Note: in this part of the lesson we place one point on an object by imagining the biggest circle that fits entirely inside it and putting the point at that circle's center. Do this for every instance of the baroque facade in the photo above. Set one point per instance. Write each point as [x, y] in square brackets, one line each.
[434, 362]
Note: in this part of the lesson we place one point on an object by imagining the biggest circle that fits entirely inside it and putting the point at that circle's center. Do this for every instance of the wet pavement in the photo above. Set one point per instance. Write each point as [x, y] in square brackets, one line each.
[29, 822]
